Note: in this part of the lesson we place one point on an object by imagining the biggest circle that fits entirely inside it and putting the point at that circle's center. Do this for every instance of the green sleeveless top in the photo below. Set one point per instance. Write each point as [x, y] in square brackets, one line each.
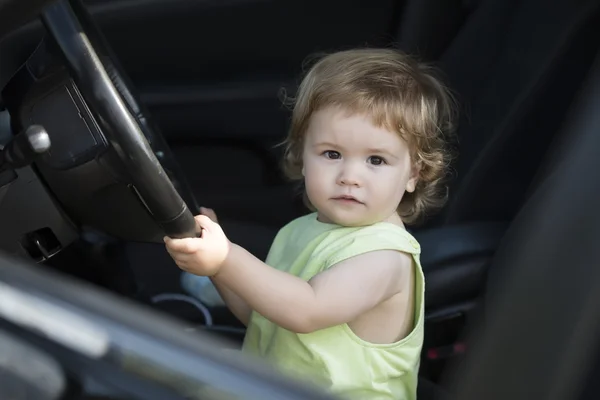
[335, 358]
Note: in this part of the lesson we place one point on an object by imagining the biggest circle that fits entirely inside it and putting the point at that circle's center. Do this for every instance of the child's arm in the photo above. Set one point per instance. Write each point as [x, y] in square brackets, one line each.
[337, 295]
[234, 303]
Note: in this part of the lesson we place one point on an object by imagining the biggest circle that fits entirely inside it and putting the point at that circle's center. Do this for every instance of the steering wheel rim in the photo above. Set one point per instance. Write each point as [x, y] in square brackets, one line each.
[75, 36]
[138, 109]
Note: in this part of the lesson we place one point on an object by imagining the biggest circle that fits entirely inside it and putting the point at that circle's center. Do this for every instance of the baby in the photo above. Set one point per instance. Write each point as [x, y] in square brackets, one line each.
[340, 298]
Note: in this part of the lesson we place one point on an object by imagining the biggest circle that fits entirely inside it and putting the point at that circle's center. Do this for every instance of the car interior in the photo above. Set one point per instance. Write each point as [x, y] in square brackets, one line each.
[119, 119]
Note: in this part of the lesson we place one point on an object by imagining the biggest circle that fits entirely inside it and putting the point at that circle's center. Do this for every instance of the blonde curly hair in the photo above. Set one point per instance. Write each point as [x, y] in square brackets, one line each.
[397, 93]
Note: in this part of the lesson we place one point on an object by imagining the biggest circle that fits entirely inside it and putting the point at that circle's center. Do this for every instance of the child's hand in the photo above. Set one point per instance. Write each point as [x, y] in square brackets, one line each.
[204, 255]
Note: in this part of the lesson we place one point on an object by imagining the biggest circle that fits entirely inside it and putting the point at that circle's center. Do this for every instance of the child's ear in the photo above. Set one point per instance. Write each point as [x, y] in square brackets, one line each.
[415, 171]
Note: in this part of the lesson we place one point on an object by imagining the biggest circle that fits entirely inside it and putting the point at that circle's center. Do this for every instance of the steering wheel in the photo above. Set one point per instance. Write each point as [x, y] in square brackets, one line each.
[123, 119]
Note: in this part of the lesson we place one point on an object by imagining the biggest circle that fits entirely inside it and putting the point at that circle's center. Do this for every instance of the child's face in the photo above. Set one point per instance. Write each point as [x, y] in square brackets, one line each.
[355, 173]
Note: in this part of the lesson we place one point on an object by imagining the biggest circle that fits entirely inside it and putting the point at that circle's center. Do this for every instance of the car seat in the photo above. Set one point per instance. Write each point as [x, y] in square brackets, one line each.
[515, 67]
[539, 336]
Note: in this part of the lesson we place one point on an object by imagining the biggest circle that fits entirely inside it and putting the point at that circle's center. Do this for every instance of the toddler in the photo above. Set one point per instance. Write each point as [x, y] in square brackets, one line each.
[340, 298]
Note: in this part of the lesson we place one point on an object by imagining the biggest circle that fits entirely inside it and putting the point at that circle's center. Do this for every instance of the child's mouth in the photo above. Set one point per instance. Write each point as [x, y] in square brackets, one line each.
[347, 199]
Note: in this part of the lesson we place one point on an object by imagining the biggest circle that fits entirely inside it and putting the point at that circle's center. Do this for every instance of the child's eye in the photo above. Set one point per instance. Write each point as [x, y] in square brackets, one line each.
[376, 160]
[332, 155]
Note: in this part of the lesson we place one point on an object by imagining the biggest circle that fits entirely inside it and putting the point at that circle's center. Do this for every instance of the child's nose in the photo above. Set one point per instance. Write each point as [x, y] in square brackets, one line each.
[349, 176]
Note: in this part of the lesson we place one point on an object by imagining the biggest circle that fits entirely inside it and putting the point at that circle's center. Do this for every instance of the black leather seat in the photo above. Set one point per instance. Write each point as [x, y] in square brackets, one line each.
[427, 27]
[515, 66]
[540, 336]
